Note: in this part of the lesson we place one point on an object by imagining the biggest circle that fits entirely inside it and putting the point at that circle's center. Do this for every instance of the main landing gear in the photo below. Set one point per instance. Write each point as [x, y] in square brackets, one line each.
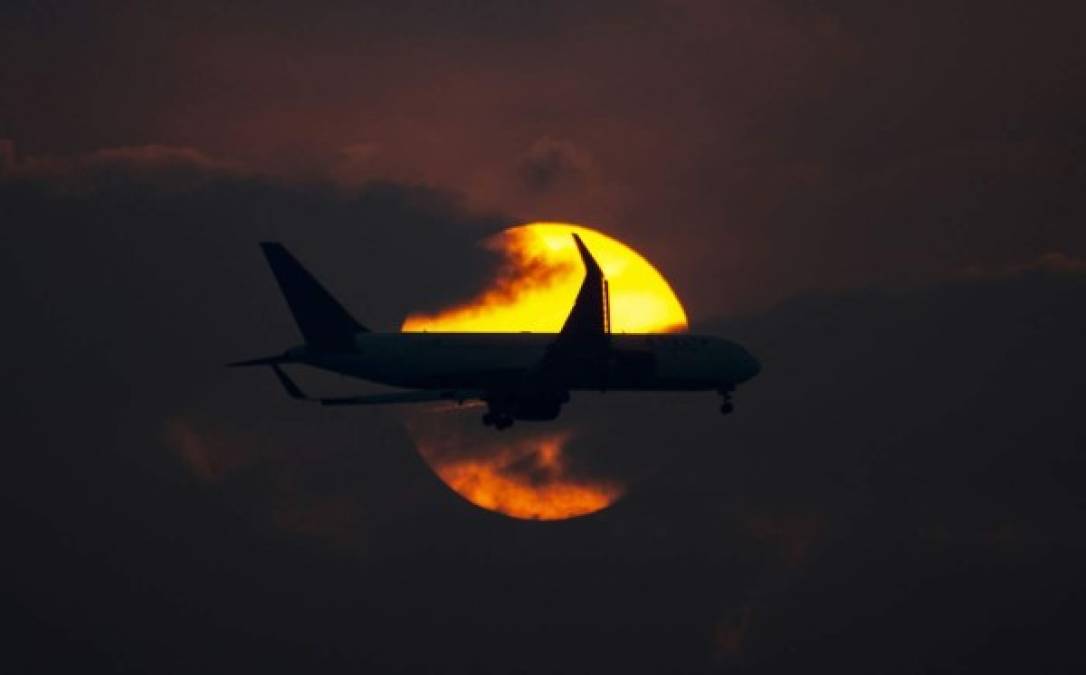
[497, 420]
[726, 406]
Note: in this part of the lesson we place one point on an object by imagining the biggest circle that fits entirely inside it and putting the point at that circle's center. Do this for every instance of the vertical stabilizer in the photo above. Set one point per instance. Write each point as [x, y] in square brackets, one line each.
[324, 322]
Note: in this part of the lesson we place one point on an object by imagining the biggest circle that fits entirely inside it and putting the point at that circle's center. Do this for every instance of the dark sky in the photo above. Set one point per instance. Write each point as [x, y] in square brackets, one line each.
[884, 203]
[754, 149]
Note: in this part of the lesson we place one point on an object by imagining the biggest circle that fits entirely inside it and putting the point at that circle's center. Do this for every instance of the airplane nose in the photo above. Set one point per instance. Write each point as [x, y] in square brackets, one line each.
[750, 366]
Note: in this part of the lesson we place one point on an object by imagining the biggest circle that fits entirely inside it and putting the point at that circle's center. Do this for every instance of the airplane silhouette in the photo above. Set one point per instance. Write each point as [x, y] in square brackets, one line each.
[520, 376]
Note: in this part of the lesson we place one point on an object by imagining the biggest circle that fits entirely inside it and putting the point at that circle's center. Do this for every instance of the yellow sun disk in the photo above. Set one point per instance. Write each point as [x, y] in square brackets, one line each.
[641, 299]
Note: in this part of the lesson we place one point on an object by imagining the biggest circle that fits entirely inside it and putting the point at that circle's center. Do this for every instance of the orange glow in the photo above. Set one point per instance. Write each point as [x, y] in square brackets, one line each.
[527, 476]
[527, 480]
[543, 272]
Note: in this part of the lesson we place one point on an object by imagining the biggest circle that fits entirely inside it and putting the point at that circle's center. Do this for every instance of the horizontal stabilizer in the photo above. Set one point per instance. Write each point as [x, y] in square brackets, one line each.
[324, 322]
[288, 384]
[262, 361]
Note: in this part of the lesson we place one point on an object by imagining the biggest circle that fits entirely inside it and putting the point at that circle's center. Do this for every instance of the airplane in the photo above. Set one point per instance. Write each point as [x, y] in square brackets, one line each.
[519, 376]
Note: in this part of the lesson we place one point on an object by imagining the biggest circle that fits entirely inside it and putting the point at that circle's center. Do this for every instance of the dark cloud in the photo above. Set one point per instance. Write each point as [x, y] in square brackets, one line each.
[161, 167]
[192, 209]
[903, 477]
[900, 490]
[147, 257]
[550, 162]
[768, 148]
[7, 156]
[1052, 263]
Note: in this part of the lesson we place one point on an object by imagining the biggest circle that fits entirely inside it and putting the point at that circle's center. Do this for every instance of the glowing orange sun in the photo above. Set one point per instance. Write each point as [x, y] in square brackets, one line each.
[526, 473]
[538, 285]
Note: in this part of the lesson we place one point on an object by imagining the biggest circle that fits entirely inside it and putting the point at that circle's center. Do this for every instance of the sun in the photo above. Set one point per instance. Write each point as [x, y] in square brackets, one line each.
[529, 475]
[530, 472]
[540, 280]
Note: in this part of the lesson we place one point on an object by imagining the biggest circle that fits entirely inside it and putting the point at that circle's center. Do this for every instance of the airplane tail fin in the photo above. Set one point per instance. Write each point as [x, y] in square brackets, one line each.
[324, 323]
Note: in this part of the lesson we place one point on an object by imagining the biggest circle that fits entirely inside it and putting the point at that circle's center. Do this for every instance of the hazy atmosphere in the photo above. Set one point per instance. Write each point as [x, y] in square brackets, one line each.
[884, 204]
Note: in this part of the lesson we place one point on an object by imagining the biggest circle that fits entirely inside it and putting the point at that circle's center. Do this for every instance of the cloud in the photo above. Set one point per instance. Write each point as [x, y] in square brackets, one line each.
[192, 205]
[165, 167]
[731, 635]
[858, 165]
[550, 164]
[753, 150]
[792, 534]
[1047, 263]
[7, 156]
[907, 466]
[155, 248]
[210, 459]
[359, 163]
[522, 271]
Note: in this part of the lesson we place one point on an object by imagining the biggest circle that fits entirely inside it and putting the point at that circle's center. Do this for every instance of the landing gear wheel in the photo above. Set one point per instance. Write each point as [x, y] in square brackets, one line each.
[726, 408]
[497, 420]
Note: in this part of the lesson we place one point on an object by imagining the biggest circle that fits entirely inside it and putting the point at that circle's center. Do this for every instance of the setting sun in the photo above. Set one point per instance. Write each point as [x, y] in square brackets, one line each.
[529, 475]
[540, 280]
[527, 479]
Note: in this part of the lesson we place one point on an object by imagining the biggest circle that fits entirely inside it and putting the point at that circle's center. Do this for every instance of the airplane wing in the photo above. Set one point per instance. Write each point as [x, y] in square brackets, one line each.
[422, 396]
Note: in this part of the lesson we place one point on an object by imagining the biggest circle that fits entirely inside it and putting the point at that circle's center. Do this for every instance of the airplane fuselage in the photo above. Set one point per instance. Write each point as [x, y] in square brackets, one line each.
[520, 376]
[657, 361]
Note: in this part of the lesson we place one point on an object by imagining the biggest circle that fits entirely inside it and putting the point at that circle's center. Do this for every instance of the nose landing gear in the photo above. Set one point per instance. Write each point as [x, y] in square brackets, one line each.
[726, 406]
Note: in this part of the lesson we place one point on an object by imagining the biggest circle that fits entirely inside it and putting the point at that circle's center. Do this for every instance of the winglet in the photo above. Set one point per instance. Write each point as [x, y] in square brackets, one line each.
[589, 316]
[590, 264]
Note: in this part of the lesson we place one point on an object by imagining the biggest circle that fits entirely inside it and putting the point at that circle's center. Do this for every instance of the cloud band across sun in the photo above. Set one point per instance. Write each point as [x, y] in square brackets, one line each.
[542, 273]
